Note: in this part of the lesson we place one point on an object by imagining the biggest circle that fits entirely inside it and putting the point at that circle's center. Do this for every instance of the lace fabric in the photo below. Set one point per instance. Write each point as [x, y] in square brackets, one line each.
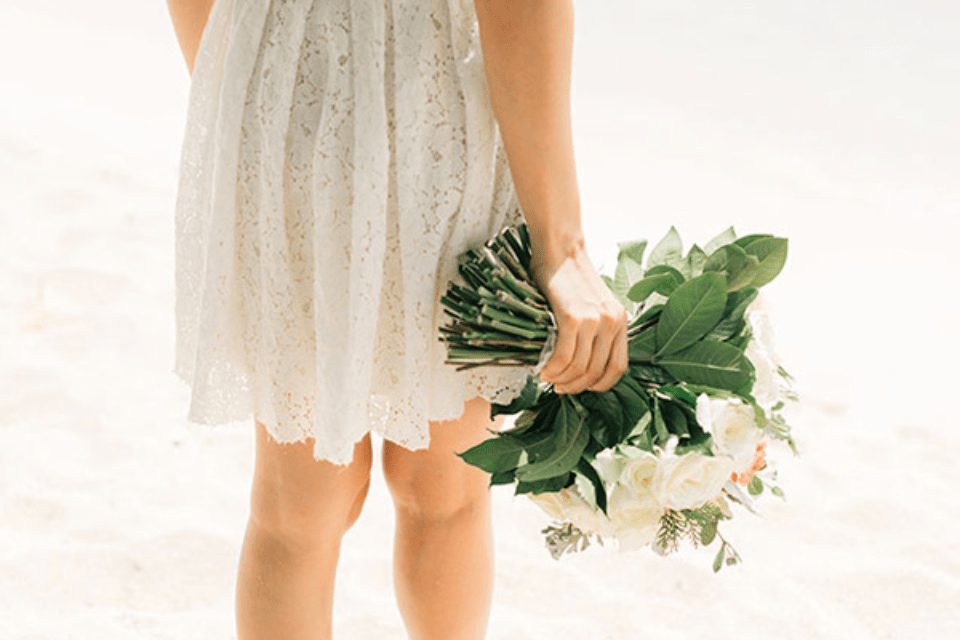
[338, 156]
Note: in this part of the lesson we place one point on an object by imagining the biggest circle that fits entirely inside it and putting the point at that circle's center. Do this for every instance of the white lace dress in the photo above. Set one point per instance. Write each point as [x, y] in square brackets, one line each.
[338, 156]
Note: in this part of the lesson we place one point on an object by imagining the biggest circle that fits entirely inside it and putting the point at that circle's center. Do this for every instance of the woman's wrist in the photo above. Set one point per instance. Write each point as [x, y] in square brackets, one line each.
[551, 249]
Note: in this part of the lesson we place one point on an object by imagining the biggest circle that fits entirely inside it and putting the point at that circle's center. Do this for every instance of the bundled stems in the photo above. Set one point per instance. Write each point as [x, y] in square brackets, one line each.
[499, 318]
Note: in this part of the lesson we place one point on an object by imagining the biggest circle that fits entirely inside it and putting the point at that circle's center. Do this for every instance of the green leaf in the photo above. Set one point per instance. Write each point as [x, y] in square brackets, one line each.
[718, 560]
[715, 364]
[503, 477]
[708, 532]
[691, 311]
[661, 269]
[680, 393]
[745, 275]
[632, 249]
[732, 261]
[771, 254]
[700, 442]
[777, 491]
[742, 269]
[495, 455]
[632, 398]
[725, 259]
[726, 237]
[528, 398]
[550, 485]
[600, 492]
[662, 283]
[695, 260]
[643, 345]
[674, 419]
[571, 438]
[642, 438]
[626, 274]
[651, 373]
[746, 240]
[606, 404]
[755, 487]
[649, 314]
[659, 425]
[668, 251]
[732, 323]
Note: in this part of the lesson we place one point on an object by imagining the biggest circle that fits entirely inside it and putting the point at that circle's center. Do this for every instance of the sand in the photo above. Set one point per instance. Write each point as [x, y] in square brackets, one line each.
[831, 123]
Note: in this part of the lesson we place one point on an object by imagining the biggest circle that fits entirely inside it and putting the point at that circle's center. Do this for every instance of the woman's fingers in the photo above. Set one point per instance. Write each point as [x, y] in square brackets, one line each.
[616, 366]
[591, 326]
[563, 352]
[599, 357]
[580, 362]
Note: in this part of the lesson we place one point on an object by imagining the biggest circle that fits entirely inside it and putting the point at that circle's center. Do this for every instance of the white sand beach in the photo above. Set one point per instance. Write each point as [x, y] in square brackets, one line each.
[832, 123]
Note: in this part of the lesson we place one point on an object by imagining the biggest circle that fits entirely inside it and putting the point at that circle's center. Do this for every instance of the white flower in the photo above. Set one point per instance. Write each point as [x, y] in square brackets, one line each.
[638, 471]
[687, 481]
[769, 385]
[569, 505]
[732, 424]
[636, 516]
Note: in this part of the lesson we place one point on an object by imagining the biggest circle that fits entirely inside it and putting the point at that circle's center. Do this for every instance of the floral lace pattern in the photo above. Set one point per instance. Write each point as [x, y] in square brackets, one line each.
[338, 156]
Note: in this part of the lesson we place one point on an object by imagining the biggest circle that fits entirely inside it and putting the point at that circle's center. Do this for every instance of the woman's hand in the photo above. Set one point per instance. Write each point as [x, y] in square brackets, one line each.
[591, 348]
[527, 51]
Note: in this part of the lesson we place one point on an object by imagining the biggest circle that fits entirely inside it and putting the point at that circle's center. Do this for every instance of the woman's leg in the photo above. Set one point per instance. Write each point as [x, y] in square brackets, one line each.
[299, 510]
[443, 556]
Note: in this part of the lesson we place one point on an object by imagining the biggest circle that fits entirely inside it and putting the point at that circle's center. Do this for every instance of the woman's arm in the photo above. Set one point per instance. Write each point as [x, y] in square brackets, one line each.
[189, 18]
[528, 49]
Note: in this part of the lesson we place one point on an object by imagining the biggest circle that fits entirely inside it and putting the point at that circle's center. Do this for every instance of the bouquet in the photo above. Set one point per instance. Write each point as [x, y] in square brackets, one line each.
[659, 458]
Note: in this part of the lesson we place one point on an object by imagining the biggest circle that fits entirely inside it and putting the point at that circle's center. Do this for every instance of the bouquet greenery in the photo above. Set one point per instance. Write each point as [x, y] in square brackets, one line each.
[658, 458]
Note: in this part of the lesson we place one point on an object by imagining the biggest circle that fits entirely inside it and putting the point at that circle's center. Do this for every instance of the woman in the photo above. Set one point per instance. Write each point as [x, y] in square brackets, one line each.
[339, 155]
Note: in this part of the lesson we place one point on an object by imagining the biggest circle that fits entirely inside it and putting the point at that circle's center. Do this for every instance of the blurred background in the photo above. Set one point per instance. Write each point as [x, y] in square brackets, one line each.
[833, 123]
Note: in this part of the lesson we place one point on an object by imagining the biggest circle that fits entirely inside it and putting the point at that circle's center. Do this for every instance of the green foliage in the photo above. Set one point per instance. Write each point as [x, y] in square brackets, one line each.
[686, 335]
[570, 437]
[587, 470]
[632, 250]
[772, 255]
[549, 485]
[497, 455]
[692, 311]
[714, 364]
[727, 236]
[662, 283]
[566, 538]
[697, 526]
[696, 258]
[732, 322]
[669, 251]
[527, 399]
[727, 555]
[628, 270]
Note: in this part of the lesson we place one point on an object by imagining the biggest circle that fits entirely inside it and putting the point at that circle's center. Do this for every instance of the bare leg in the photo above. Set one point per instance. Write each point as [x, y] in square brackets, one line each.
[443, 556]
[299, 510]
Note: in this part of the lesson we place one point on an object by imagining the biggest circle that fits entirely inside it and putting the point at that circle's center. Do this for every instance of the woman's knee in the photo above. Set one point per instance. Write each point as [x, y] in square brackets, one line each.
[434, 483]
[421, 490]
[301, 501]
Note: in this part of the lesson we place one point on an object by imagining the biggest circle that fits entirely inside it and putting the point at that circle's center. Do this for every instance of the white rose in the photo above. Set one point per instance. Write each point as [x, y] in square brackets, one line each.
[568, 505]
[768, 388]
[635, 516]
[687, 481]
[732, 424]
[638, 471]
